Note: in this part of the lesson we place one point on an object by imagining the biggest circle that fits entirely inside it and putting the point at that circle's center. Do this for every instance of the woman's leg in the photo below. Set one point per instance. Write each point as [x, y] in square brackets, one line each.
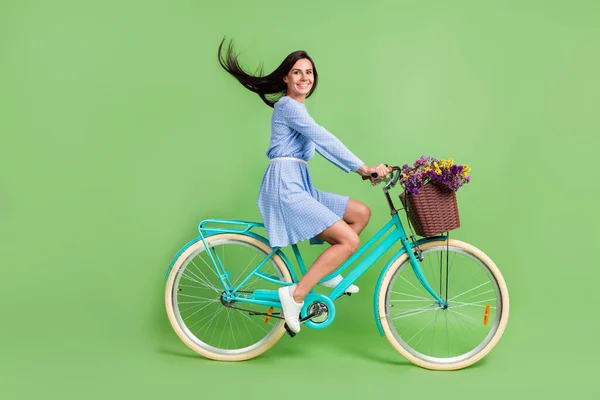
[344, 241]
[357, 215]
[343, 244]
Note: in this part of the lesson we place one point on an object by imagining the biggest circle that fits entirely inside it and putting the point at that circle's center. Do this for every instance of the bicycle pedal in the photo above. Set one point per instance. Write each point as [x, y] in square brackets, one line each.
[288, 330]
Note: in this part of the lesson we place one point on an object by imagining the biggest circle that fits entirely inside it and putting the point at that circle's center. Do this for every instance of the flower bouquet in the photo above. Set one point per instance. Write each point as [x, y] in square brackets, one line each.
[430, 194]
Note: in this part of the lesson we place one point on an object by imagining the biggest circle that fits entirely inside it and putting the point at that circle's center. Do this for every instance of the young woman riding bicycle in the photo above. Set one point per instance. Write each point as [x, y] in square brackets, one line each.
[291, 208]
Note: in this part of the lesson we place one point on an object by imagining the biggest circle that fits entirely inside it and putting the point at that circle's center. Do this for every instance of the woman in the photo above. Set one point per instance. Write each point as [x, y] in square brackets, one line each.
[291, 208]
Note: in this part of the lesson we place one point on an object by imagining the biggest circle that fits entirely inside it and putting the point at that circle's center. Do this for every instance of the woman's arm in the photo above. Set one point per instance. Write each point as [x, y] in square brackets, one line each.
[329, 146]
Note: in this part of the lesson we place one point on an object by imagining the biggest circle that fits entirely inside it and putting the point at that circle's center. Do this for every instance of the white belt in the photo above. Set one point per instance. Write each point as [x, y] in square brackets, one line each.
[288, 158]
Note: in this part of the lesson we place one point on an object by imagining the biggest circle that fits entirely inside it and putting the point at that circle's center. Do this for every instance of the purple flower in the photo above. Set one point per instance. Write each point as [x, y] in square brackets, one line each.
[421, 162]
[456, 169]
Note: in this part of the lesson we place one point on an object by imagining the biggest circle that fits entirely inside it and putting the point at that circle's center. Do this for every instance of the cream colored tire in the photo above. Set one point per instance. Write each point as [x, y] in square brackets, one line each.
[437, 363]
[172, 307]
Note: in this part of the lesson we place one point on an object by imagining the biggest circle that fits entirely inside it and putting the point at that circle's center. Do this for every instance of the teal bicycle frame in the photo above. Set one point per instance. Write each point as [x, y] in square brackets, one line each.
[392, 233]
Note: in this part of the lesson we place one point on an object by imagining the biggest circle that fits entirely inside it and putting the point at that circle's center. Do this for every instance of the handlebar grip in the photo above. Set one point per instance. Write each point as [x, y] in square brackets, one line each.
[373, 175]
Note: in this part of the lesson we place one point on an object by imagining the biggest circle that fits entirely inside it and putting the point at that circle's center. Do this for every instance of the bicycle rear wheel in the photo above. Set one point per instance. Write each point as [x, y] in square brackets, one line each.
[209, 326]
[452, 337]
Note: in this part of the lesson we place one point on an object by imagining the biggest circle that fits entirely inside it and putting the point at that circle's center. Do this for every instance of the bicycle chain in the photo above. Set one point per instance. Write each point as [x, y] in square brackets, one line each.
[252, 312]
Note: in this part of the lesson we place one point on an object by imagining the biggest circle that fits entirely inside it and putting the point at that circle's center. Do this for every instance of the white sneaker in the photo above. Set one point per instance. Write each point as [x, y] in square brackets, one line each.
[289, 307]
[333, 282]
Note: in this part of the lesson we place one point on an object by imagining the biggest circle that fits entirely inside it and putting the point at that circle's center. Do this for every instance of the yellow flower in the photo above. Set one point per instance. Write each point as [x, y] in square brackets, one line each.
[436, 166]
[404, 176]
[426, 169]
[466, 170]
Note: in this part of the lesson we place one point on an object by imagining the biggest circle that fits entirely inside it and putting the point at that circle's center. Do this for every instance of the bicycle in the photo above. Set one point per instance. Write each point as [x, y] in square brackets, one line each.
[221, 293]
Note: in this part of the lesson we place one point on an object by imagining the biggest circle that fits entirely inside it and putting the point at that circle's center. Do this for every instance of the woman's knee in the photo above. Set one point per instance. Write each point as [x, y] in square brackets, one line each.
[358, 212]
[366, 213]
[340, 233]
[352, 242]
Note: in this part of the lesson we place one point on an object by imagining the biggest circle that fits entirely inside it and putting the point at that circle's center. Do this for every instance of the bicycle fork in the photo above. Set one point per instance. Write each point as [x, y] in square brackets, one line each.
[414, 262]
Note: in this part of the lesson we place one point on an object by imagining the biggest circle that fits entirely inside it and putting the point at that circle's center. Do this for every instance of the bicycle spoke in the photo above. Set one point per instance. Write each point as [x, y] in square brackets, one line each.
[470, 290]
[242, 274]
[433, 334]
[194, 302]
[417, 289]
[461, 314]
[481, 303]
[198, 280]
[228, 320]
[412, 295]
[194, 306]
[413, 313]
[212, 318]
[215, 328]
[254, 322]
[479, 294]
[399, 301]
[469, 325]
[450, 272]
[421, 330]
[205, 278]
[467, 283]
[247, 329]
[248, 284]
[211, 268]
[196, 312]
[199, 297]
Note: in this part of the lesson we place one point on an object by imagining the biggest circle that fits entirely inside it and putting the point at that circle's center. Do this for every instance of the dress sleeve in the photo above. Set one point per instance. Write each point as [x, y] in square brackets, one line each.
[329, 146]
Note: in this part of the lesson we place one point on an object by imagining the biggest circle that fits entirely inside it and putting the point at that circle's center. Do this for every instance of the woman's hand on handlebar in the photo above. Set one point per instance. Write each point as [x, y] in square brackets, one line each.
[374, 172]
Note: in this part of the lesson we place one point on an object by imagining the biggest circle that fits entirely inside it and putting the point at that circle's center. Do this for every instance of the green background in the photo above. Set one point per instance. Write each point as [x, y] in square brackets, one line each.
[120, 132]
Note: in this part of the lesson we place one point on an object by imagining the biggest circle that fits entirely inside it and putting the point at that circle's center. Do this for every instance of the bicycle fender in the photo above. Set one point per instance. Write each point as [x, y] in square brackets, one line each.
[251, 234]
[378, 289]
[384, 271]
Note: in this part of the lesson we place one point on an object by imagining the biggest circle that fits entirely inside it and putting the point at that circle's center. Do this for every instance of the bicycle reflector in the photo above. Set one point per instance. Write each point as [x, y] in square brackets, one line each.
[486, 315]
[270, 312]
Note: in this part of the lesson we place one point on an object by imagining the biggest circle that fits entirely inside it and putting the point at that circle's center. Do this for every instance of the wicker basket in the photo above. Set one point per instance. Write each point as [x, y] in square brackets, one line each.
[433, 211]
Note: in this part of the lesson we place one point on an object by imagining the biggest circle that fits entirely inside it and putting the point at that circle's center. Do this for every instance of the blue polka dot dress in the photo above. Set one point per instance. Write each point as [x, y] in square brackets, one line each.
[291, 208]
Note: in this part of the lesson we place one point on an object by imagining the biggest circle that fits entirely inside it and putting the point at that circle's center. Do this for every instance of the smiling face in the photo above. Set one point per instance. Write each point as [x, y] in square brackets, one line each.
[299, 80]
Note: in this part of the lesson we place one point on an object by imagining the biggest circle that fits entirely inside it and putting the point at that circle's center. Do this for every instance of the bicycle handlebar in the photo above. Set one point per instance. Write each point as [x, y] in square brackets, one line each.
[374, 175]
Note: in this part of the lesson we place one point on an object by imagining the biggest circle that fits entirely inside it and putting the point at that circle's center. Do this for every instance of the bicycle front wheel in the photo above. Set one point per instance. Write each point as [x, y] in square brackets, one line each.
[451, 337]
[193, 297]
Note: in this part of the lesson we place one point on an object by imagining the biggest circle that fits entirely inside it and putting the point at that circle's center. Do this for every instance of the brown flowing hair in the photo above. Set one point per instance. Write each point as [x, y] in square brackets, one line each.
[270, 88]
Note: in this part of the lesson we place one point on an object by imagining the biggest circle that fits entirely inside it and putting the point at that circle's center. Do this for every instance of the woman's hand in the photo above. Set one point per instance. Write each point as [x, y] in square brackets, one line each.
[380, 169]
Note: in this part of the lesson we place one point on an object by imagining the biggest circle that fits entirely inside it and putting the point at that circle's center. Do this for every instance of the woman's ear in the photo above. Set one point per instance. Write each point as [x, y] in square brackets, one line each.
[285, 79]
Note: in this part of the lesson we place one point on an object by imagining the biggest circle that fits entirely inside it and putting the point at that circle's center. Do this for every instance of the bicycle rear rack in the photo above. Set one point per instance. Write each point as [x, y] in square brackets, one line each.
[246, 226]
